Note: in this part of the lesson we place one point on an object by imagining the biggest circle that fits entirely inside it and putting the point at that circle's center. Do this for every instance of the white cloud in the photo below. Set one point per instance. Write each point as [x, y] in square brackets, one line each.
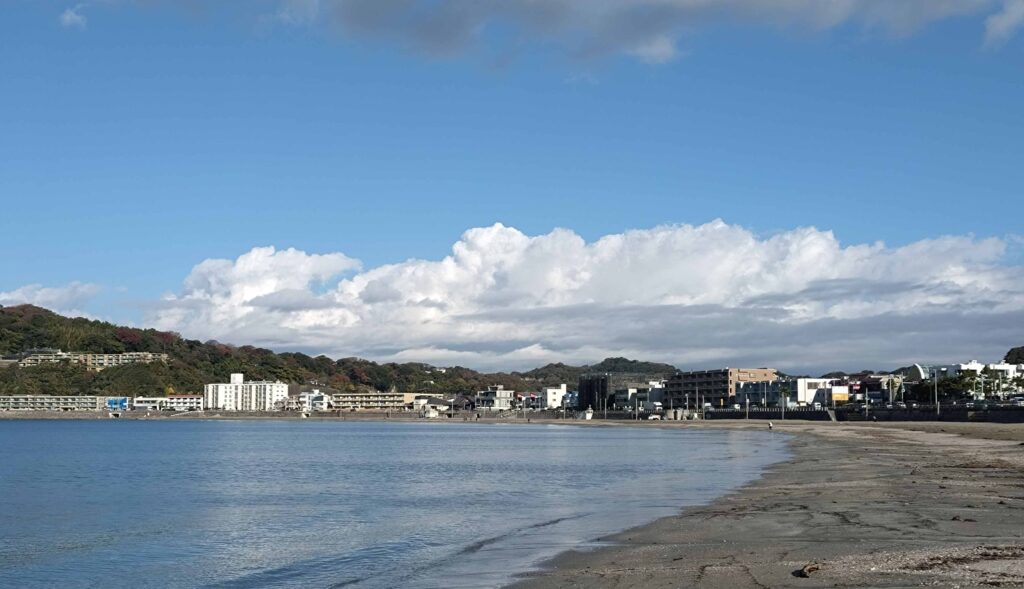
[72, 18]
[690, 295]
[1001, 26]
[65, 300]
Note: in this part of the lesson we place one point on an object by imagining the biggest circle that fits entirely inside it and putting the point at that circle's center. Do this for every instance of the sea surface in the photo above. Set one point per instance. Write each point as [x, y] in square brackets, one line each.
[238, 504]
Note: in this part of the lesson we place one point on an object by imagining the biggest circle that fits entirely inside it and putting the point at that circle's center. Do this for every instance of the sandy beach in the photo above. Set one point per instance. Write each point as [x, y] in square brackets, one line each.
[899, 505]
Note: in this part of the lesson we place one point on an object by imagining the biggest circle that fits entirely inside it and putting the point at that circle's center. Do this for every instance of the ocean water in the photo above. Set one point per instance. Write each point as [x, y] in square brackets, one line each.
[239, 504]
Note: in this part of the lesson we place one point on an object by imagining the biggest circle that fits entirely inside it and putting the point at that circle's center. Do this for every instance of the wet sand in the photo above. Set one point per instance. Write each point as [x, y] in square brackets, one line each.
[860, 505]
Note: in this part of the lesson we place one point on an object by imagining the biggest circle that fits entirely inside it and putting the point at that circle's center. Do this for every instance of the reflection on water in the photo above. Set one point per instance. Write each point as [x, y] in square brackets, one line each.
[325, 504]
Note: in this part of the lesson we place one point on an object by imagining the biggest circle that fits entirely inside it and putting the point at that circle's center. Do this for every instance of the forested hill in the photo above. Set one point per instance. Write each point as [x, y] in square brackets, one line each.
[558, 373]
[194, 363]
[1015, 356]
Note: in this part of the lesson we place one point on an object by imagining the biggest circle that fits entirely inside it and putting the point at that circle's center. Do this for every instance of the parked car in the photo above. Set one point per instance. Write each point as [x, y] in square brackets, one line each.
[654, 416]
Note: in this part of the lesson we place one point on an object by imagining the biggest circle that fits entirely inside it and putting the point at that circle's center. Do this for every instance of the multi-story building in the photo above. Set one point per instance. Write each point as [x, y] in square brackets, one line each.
[309, 401]
[598, 390]
[551, 397]
[495, 398]
[369, 401]
[876, 388]
[1004, 374]
[714, 387]
[239, 395]
[793, 391]
[95, 362]
[637, 396]
[169, 403]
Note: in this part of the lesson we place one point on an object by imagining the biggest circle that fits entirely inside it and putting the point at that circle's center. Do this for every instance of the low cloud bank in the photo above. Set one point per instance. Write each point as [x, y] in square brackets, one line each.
[713, 294]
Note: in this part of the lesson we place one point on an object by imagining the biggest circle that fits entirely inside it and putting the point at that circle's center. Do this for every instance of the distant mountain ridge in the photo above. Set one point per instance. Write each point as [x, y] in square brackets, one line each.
[194, 363]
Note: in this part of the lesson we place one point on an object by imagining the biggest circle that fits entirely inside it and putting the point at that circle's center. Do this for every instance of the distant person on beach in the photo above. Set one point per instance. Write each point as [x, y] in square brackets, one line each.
[770, 426]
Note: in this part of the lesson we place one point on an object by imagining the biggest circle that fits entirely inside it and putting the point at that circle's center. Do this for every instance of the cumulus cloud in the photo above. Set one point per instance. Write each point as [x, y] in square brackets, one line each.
[263, 282]
[650, 30]
[66, 300]
[701, 295]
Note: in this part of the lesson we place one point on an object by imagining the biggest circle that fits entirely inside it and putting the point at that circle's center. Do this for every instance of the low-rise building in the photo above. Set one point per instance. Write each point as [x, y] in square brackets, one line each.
[637, 396]
[169, 403]
[239, 395]
[919, 372]
[369, 401]
[793, 391]
[51, 403]
[876, 388]
[495, 398]
[425, 403]
[91, 361]
[309, 401]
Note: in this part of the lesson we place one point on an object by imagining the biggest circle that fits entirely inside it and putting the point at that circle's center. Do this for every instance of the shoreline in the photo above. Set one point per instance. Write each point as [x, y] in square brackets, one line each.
[857, 505]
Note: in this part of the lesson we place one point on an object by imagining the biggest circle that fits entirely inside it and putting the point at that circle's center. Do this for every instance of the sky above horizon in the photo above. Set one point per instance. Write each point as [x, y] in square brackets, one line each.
[809, 184]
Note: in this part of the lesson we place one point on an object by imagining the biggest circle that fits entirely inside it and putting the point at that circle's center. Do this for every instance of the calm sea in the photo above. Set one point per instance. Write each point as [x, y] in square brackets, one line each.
[333, 504]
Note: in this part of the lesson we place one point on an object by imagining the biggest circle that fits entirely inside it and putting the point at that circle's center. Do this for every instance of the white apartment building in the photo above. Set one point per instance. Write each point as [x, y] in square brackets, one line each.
[239, 395]
[551, 397]
[169, 403]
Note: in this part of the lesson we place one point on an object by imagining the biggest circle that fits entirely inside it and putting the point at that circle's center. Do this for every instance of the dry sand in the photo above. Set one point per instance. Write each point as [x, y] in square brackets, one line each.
[860, 505]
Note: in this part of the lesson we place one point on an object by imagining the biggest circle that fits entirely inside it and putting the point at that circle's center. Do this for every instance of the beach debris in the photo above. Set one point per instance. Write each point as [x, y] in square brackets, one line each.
[806, 570]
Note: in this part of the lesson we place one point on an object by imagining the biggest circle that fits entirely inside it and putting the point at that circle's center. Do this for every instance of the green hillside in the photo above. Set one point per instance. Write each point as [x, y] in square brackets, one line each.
[194, 363]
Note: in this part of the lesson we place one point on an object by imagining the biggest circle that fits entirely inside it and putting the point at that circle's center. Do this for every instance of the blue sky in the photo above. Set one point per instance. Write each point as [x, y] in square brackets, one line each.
[146, 138]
